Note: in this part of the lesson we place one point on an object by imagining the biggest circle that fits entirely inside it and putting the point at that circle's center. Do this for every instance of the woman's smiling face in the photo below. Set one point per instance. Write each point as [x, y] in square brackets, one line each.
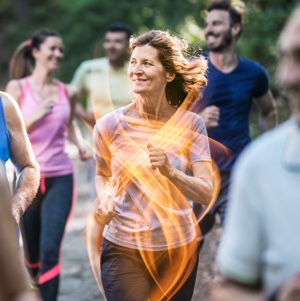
[146, 73]
[50, 53]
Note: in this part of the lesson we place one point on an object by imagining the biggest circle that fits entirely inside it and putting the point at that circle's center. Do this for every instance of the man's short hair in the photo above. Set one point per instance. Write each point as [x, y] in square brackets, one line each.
[120, 27]
[235, 15]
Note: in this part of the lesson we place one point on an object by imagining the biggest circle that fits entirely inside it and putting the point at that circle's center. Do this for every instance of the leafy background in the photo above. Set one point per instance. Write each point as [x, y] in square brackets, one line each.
[82, 24]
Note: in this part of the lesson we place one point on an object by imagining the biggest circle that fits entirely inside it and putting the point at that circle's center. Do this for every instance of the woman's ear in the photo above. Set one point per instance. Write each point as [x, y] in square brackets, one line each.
[34, 52]
[170, 76]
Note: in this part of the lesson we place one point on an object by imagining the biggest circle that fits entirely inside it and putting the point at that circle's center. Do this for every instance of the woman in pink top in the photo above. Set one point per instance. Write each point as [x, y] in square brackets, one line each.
[47, 106]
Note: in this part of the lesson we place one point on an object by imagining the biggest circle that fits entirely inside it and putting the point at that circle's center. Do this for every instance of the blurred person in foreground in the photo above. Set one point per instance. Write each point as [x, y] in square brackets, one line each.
[47, 106]
[152, 160]
[13, 282]
[234, 82]
[259, 255]
[15, 146]
[104, 84]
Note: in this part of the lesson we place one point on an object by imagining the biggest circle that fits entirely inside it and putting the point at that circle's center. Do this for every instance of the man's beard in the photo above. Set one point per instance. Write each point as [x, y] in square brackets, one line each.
[226, 41]
[294, 101]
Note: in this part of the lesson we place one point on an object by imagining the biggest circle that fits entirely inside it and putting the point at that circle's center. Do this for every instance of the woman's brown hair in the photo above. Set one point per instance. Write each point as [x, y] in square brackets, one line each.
[22, 61]
[171, 50]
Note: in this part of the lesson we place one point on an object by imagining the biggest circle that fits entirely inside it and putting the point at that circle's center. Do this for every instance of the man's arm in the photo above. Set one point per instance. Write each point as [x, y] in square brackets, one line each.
[22, 157]
[74, 133]
[225, 289]
[268, 111]
[210, 116]
[82, 114]
[79, 81]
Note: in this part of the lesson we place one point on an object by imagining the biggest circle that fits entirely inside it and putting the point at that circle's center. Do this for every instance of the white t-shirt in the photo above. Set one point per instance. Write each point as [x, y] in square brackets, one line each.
[107, 88]
[261, 236]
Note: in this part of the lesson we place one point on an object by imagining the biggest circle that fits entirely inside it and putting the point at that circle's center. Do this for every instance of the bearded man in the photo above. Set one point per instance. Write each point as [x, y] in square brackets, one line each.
[234, 83]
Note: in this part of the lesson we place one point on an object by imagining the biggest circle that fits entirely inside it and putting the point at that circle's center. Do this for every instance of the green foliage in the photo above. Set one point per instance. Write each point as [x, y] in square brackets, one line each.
[82, 24]
[263, 24]
[5, 6]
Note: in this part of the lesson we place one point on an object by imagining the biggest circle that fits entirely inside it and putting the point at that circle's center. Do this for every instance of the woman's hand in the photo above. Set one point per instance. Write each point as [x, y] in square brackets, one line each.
[198, 188]
[105, 211]
[45, 108]
[84, 154]
[159, 159]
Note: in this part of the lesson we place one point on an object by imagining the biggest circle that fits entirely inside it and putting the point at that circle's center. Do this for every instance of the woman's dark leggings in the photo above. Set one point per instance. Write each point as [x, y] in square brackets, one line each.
[42, 228]
[126, 276]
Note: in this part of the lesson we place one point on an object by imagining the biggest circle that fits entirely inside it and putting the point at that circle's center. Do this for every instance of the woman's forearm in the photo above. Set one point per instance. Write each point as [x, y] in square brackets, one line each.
[197, 189]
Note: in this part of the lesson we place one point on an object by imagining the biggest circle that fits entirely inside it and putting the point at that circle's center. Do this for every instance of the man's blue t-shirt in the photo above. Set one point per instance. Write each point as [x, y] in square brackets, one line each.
[4, 136]
[232, 93]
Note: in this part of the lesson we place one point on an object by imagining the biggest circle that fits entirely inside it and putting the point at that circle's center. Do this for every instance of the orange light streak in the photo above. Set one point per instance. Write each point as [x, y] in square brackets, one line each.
[164, 202]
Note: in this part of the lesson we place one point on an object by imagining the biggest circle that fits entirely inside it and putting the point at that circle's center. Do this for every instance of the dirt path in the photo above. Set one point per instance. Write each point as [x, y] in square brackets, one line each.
[207, 268]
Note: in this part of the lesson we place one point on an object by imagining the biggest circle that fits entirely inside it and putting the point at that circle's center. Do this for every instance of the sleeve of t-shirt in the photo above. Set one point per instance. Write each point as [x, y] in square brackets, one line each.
[79, 78]
[102, 153]
[239, 254]
[262, 83]
[199, 147]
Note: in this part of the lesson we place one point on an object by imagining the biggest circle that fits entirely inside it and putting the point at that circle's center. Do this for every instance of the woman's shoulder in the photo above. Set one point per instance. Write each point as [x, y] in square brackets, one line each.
[108, 125]
[192, 118]
[109, 120]
[15, 88]
[191, 121]
[14, 83]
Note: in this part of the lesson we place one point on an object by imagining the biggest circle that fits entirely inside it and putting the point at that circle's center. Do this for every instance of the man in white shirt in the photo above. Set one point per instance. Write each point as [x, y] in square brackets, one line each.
[105, 85]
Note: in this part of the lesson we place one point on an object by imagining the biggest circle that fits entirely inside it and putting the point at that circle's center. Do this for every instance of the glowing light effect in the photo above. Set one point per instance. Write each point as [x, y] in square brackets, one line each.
[164, 202]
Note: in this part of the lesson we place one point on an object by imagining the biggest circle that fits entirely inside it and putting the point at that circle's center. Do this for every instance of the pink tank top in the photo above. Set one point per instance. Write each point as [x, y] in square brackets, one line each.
[48, 135]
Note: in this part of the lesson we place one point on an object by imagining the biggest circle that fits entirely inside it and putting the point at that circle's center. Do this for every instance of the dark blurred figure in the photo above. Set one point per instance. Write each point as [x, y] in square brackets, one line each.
[260, 249]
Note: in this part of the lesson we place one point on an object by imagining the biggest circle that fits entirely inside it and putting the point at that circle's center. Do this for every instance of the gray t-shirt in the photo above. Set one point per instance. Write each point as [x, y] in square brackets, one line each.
[152, 213]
